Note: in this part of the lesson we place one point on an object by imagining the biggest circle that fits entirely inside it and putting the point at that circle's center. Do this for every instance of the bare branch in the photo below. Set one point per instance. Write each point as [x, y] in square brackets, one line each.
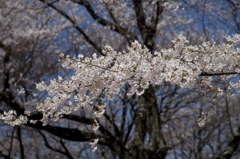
[75, 25]
[231, 147]
[218, 73]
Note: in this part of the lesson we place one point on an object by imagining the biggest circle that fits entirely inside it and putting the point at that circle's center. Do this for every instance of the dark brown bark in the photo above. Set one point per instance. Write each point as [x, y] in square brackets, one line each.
[148, 121]
[231, 147]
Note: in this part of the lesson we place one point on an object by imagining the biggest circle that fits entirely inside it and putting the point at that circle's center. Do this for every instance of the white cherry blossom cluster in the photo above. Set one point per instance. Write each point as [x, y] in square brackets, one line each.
[11, 118]
[169, 5]
[181, 65]
[93, 144]
[105, 75]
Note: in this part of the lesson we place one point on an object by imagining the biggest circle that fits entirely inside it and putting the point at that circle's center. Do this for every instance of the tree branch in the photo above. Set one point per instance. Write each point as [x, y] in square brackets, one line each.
[20, 142]
[75, 25]
[54, 149]
[4, 156]
[231, 147]
[147, 31]
[66, 150]
[156, 147]
[218, 73]
[65, 133]
[115, 27]
[116, 145]
[140, 17]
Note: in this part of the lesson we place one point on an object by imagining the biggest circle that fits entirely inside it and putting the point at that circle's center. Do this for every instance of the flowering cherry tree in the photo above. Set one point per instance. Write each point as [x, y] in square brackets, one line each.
[181, 65]
[139, 87]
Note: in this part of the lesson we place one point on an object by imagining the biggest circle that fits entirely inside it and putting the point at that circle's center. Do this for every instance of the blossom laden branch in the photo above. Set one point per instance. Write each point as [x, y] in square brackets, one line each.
[181, 65]
[105, 75]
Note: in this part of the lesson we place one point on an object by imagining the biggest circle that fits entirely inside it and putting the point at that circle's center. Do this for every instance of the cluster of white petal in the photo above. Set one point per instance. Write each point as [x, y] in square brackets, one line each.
[11, 118]
[181, 65]
[105, 75]
[93, 144]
